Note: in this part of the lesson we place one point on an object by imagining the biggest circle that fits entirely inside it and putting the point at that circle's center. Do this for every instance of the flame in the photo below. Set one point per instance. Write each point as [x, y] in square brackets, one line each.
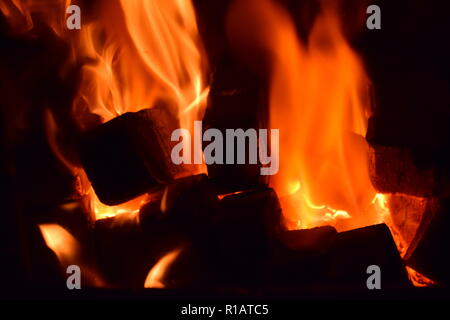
[61, 242]
[418, 279]
[317, 92]
[137, 52]
[150, 53]
[156, 274]
[319, 100]
[69, 252]
[133, 54]
[19, 14]
[103, 211]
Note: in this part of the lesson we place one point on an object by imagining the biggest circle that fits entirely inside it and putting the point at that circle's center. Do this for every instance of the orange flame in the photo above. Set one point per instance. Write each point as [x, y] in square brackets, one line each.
[133, 54]
[18, 14]
[418, 279]
[156, 274]
[69, 252]
[322, 98]
[319, 100]
[150, 53]
[62, 243]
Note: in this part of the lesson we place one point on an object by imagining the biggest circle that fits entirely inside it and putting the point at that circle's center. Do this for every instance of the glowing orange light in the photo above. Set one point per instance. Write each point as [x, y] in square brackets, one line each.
[62, 243]
[319, 101]
[156, 274]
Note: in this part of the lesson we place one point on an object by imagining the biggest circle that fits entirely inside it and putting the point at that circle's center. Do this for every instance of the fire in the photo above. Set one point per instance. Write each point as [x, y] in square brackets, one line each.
[19, 14]
[102, 211]
[150, 53]
[70, 252]
[156, 274]
[136, 53]
[418, 279]
[318, 92]
[133, 54]
[319, 99]
[62, 243]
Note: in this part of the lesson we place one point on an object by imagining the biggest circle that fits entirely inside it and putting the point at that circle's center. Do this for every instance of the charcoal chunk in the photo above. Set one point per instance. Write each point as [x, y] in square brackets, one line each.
[131, 154]
[354, 251]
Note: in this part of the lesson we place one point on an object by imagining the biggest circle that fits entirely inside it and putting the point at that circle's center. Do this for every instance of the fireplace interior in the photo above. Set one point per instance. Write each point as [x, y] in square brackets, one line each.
[87, 122]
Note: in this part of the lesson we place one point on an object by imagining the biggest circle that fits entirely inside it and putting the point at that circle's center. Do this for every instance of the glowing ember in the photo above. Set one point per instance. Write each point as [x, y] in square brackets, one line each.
[137, 53]
[103, 211]
[418, 279]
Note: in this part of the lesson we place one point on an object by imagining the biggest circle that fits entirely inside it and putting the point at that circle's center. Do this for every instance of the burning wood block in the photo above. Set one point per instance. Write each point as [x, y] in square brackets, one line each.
[235, 102]
[409, 126]
[246, 215]
[412, 116]
[242, 244]
[130, 154]
[125, 253]
[429, 250]
[242, 236]
[170, 220]
[393, 171]
[233, 249]
[184, 213]
[301, 257]
[407, 214]
[354, 251]
[186, 205]
[317, 239]
[228, 239]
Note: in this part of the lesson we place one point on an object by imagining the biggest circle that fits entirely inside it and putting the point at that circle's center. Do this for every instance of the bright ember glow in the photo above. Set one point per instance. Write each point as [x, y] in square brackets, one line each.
[103, 211]
[418, 279]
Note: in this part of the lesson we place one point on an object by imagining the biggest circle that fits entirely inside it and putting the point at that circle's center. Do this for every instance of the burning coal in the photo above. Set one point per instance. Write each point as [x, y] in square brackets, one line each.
[276, 187]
